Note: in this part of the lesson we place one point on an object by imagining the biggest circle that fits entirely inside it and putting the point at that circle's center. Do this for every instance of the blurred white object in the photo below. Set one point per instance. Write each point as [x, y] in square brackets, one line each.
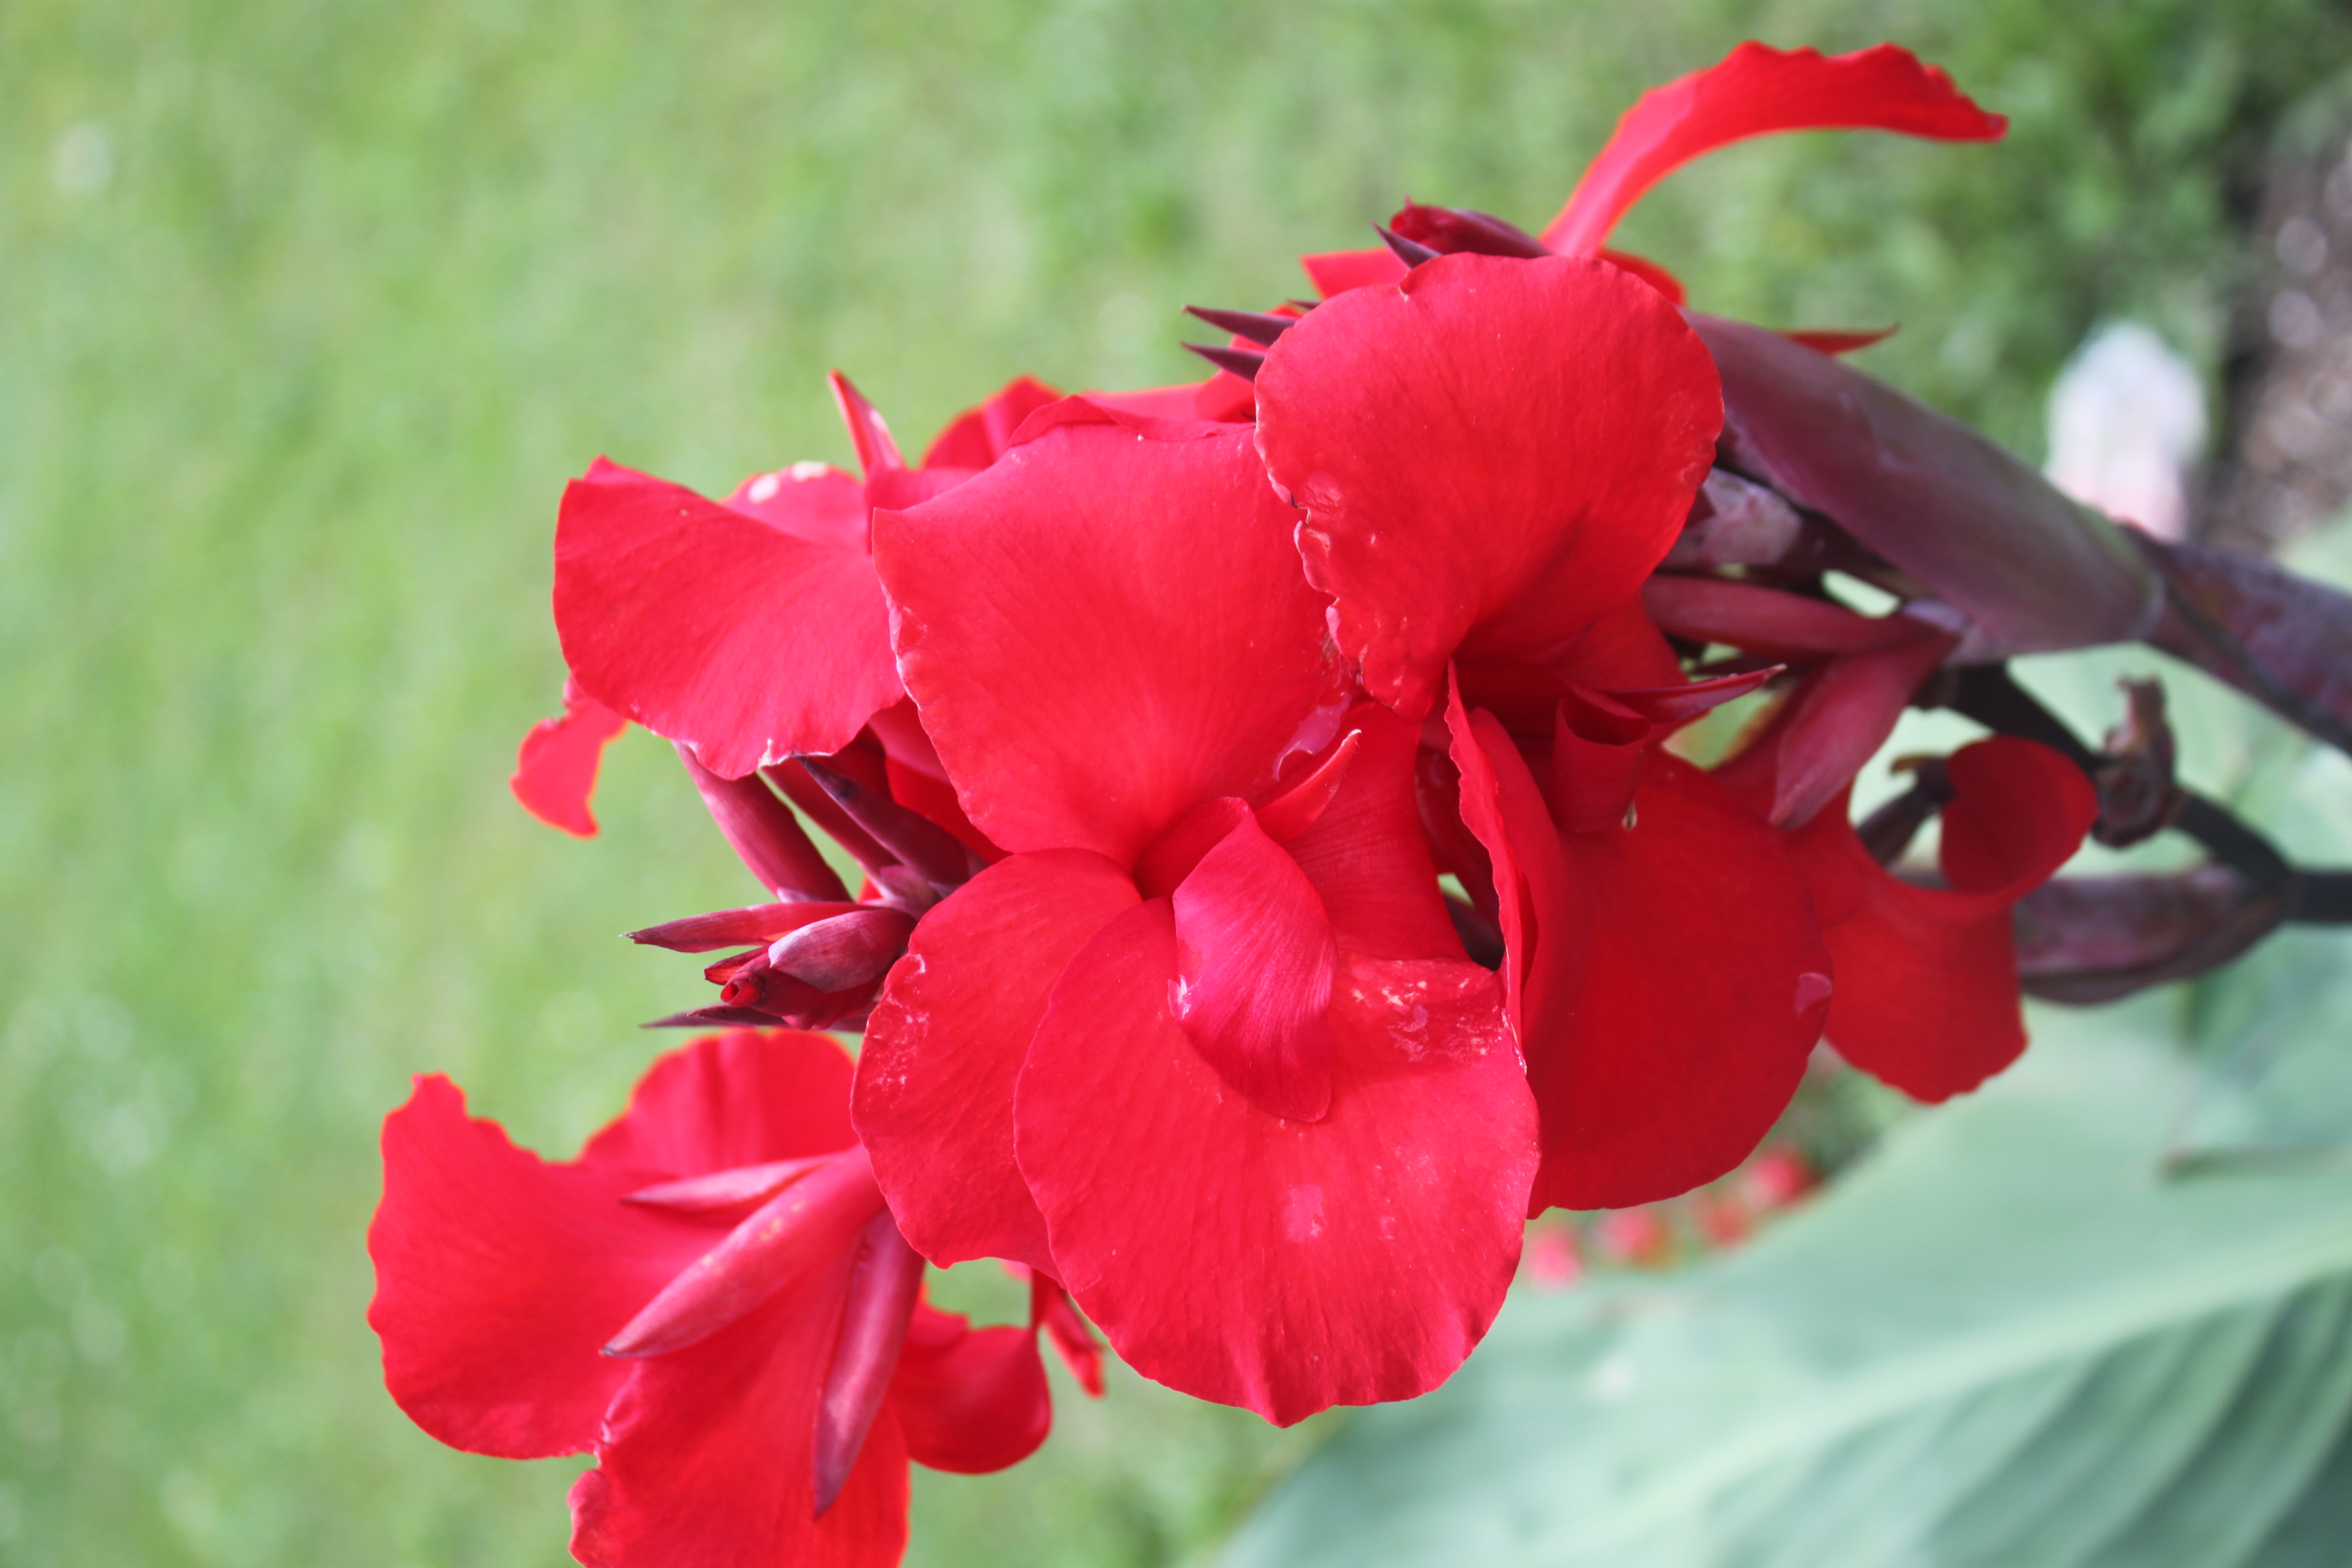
[2126, 422]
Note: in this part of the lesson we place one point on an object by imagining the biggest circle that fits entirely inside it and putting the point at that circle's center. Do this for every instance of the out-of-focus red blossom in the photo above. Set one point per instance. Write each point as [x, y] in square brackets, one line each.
[1492, 457]
[746, 630]
[1552, 1261]
[712, 1298]
[1638, 1237]
[1205, 1046]
[1777, 1177]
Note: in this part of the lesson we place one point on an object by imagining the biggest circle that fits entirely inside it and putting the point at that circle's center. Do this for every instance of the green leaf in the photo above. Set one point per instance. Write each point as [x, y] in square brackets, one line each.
[2008, 1339]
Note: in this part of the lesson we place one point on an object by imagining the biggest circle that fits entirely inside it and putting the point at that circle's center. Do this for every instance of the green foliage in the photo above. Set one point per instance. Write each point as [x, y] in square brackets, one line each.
[310, 309]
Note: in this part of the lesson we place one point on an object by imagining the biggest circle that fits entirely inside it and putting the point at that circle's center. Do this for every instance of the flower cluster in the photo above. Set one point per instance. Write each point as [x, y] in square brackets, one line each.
[1285, 869]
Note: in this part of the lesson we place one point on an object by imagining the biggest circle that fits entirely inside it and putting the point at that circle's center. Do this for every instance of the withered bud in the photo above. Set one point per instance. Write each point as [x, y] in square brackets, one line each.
[2138, 795]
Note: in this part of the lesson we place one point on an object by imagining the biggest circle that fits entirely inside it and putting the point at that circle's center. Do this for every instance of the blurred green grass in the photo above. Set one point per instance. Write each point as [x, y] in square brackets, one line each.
[308, 312]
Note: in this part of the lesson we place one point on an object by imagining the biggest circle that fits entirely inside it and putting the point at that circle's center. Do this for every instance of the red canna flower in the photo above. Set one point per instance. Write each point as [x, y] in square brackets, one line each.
[1492, 457]
[712, 1298]
[1205, 1046]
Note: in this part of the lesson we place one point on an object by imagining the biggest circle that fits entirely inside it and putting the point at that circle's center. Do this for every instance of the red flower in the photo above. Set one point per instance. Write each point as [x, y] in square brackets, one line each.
[1492, 457]
[747, 630]
[767, 1369]
[1205, 1047]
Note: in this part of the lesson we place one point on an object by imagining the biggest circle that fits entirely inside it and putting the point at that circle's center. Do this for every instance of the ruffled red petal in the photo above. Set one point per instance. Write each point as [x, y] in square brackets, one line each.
[1107, 627]
[744, 637]
[708, 1454]
[1491, 455]
[1756, 90]
[555, 770]
[946, 1042]
[978, 1404]
[1282, 1266]
[499, 1276]
[1926, 978]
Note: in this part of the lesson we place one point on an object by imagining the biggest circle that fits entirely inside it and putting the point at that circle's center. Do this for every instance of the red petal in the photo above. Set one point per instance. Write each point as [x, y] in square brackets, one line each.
[1283, 1265]
[976, 1405]
[716, 629]
[499, 1277]
[1255, 956]
[1106, 628]
[555, 771]
[1687, 991]
[744, 1098]
[978, 437]
[1492, 456]
[707, 1456]
[1367, 855]
[946, 1040]
[1927, 980]
[1336, 271]
[1755, 90]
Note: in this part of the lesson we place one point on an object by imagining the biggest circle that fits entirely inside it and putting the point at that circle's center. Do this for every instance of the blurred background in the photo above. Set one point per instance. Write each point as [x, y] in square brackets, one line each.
[307, 313]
